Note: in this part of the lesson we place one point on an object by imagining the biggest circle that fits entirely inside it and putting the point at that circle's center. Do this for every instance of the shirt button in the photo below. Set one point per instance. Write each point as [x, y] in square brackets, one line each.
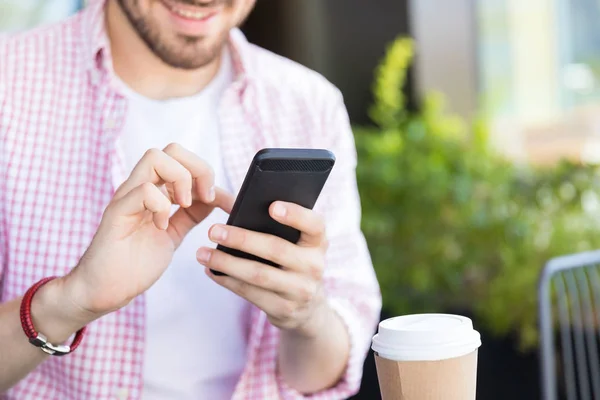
[122, 393]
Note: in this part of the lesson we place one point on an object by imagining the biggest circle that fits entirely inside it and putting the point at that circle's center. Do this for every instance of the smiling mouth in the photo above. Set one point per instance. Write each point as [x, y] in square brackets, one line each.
[187, 12]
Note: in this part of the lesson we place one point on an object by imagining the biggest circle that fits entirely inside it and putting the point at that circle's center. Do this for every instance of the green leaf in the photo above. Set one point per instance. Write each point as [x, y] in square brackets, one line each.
[451, 224]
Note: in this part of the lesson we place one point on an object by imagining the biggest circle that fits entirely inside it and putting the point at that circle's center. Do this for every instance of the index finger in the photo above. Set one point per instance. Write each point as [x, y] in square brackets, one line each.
[203, 176]
[309, 223]
[156, 167]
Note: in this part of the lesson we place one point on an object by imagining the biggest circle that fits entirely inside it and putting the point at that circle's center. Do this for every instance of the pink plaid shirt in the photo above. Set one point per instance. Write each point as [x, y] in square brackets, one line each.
[60, 117]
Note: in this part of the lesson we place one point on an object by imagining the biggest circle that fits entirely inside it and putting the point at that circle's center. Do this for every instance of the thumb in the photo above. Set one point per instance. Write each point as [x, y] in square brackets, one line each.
[224, 200]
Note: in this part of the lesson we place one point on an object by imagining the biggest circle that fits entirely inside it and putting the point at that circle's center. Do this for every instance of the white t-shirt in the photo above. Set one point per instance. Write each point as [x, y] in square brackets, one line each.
[196, 330]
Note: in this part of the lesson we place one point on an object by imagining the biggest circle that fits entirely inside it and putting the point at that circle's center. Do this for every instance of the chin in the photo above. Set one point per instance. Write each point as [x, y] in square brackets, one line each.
[182, 58]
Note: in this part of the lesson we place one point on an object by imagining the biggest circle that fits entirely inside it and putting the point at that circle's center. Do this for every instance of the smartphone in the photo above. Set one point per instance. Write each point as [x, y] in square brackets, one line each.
[278, 174]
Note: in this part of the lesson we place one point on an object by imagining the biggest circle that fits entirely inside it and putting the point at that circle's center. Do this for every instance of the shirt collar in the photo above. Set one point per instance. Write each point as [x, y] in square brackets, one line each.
[98, 54]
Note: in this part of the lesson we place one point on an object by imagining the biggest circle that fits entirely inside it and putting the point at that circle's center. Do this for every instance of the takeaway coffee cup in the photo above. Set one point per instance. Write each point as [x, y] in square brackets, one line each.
[427, 357]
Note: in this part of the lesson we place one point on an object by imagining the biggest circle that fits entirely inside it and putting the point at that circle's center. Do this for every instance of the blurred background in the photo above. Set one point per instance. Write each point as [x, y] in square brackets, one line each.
[477, 125]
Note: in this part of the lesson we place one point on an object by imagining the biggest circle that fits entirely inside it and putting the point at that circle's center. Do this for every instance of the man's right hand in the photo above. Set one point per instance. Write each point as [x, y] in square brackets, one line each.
[136, 238]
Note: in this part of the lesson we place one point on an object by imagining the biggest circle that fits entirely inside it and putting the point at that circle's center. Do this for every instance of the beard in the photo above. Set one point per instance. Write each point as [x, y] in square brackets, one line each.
[176, 50]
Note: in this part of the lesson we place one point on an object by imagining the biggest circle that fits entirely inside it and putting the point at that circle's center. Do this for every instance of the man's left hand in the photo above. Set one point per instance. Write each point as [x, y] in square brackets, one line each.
[292, 295]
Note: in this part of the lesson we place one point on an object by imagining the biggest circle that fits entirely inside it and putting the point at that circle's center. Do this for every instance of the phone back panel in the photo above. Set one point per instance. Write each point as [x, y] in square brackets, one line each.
[279, 176]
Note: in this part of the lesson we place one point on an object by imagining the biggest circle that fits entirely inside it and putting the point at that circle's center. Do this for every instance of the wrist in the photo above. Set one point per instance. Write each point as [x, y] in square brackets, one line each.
[322, 341]
[313, 327]
[55, 314]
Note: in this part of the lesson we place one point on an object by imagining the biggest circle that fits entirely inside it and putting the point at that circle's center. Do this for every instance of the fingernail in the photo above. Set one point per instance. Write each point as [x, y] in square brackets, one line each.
[212, 194]
[218, 233]
[279, 210]
[188, 199]
[203, 255]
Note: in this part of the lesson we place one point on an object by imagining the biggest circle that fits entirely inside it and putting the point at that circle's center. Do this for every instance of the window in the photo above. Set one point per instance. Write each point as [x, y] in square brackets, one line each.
[539, 67]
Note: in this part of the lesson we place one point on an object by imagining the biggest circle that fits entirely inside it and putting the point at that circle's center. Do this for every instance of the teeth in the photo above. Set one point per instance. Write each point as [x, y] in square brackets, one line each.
[191, 14]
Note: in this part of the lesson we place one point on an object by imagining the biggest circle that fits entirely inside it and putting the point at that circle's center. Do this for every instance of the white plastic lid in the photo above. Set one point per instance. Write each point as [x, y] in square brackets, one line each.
[425, 337]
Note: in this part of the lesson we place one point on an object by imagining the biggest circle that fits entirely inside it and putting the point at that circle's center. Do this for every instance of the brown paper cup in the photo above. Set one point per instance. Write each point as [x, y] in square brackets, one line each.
[452, 379]
[427, 357]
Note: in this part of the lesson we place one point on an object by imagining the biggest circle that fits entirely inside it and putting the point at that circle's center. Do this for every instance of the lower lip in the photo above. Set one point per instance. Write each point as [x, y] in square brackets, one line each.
[190, 26]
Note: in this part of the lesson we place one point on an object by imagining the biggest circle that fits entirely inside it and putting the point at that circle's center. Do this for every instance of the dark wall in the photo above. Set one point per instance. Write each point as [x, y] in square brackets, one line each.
[342, 39]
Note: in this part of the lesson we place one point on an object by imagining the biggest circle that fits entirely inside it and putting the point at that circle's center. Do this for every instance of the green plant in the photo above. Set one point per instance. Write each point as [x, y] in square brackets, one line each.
[451, 225]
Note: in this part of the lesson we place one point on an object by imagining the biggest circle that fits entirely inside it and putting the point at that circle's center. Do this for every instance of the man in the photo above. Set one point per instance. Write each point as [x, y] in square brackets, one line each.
[95, 197]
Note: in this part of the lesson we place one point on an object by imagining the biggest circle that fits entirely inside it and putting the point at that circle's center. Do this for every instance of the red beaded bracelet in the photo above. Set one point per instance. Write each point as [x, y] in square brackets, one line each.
[38, 339]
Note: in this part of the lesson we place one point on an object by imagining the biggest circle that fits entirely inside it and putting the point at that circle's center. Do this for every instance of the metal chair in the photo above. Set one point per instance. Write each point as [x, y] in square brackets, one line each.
[569, 311]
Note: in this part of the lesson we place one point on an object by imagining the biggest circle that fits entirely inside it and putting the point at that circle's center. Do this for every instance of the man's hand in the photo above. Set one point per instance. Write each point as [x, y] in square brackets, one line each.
[137, 236]
[292, 295]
